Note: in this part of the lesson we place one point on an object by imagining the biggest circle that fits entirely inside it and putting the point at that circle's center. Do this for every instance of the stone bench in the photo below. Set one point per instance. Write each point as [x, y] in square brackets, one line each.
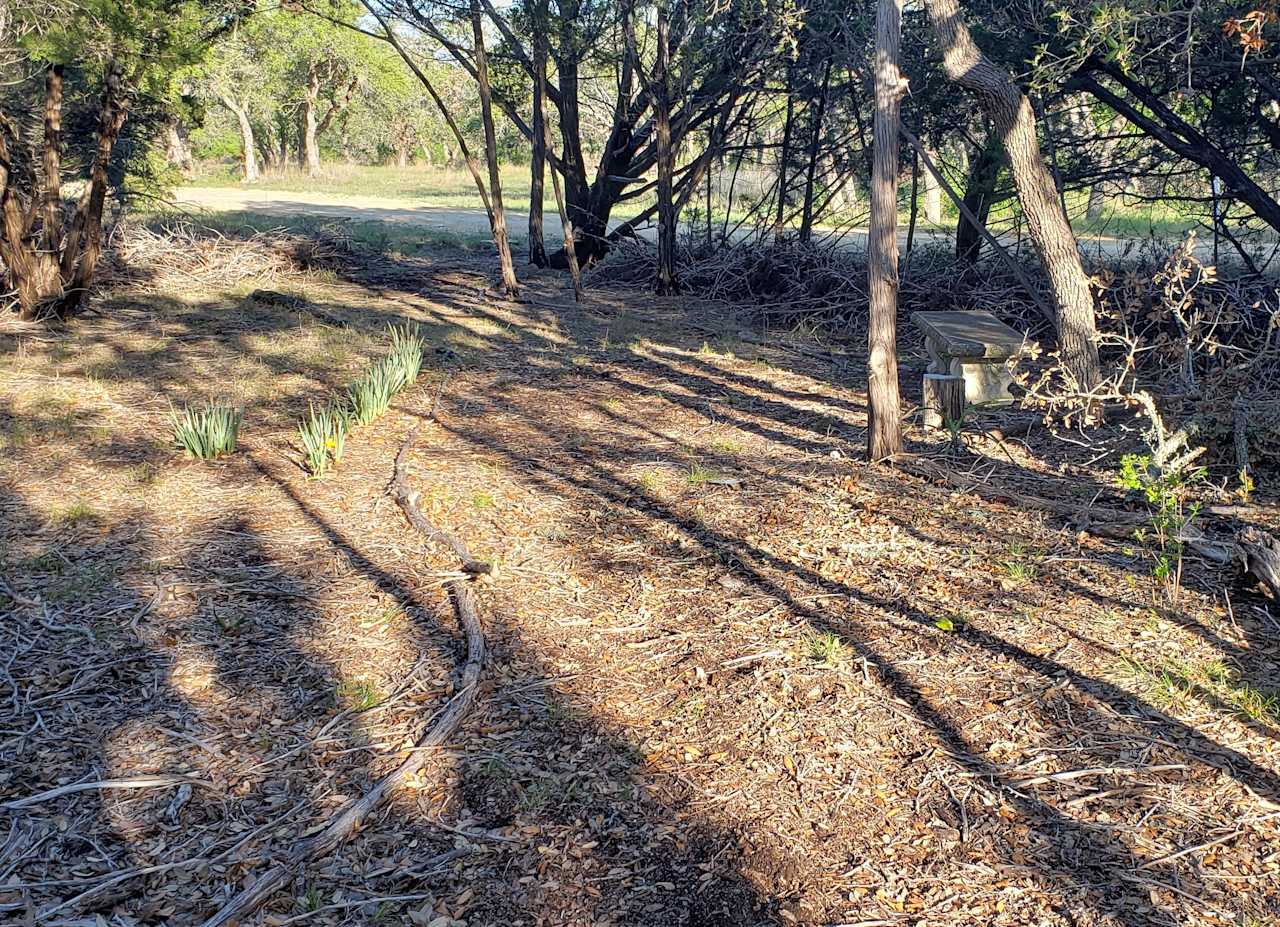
[973, 346]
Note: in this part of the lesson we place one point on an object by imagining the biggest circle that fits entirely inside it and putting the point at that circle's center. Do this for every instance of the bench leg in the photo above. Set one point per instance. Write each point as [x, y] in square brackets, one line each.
[942, 399]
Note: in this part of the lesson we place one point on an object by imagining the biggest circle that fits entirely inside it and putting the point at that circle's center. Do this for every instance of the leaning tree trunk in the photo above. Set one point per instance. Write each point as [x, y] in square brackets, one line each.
[497, 215]
[1055, 243]
[667, 281]
[884, 423]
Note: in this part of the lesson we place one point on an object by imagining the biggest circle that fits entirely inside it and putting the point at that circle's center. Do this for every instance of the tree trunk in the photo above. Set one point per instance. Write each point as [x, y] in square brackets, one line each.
[668, 284]
[577, 192]
[248, 155]
[83, 244]
[310, 144]
[884, 421]
[1055, 243]
[815, 144]
[538, 161]
[979, 195]
[51, 162]
[497, 215]
[177, 150]
[784, 152]
[1097, 201]
[932, 193]
[30, 272]
[402, 155]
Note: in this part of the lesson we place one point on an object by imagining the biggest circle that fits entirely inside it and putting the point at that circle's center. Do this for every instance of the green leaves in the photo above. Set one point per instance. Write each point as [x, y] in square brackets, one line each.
[323, 433]
[208, 432]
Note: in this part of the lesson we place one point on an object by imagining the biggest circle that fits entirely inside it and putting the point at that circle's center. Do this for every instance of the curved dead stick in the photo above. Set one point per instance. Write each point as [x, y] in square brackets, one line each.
[348, 819]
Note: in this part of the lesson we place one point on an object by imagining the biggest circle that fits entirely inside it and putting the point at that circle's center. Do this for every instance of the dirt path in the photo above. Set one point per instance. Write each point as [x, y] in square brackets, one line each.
[464, 222]
[738, 677]
[472, 223]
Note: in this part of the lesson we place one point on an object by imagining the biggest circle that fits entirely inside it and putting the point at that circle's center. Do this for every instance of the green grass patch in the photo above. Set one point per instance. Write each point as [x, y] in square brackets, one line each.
[1174, 683]
[827, 649]
[360, 694]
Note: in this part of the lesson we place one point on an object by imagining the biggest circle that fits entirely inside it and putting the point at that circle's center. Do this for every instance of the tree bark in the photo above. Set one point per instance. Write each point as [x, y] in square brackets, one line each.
[51, 162]
[668, 284]
[248, 155]
[497, 215]
[538, 161]
[979, 195]
[784, 152]
[815, 145]
[83, 244]
[310, 146]
[884, 420]
[932, 193]
[177, 150]
[1055, 243]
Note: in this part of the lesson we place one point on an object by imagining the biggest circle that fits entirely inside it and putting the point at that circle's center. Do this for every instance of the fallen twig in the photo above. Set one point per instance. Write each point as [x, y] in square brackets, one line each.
[1072, 774]
[348, 819]
[137, 782]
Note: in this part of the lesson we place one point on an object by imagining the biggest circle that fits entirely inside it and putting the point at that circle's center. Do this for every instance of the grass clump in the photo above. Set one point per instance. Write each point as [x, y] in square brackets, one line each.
[207, 432]
[323, 434]
[1173, 683]
[360, 694]
[371, 395]
[827, 649]
[698, 474]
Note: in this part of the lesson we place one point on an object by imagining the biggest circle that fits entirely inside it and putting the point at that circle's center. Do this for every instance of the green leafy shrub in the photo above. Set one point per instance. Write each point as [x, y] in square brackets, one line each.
[1165, 490]
[207, 432]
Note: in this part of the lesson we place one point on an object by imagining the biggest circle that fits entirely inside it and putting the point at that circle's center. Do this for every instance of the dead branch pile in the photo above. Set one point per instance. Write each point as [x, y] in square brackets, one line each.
[185, 253]
[789, 283]
[1207, 346]
[1210, 346]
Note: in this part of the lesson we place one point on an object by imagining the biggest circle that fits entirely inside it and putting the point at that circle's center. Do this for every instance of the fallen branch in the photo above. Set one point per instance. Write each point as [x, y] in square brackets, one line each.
[1073, 774]
[138, 782]
[348, 819]
[1259, 555]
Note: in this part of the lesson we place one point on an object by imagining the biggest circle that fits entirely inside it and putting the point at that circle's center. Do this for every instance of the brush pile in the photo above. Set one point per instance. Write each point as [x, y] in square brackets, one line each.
[787, 283]
[188, 254]
[1208, 346]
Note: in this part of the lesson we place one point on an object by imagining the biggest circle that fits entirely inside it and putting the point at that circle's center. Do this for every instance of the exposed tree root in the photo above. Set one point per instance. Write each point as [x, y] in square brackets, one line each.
[348, 819]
